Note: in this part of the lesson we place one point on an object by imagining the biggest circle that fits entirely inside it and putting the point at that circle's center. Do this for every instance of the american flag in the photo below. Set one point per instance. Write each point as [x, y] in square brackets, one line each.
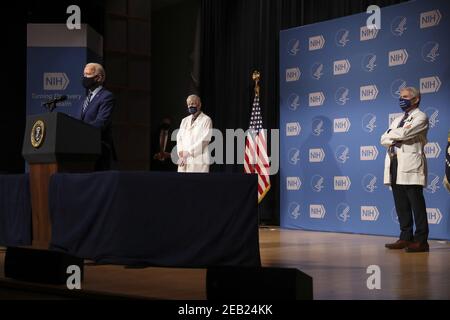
[256, 159]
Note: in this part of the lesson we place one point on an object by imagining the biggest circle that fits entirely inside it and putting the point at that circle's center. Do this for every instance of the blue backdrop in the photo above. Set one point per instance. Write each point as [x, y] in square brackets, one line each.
[339, 89]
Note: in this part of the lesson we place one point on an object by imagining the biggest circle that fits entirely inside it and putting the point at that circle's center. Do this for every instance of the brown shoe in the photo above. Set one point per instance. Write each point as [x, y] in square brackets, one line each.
[418, 247]
[399, 244]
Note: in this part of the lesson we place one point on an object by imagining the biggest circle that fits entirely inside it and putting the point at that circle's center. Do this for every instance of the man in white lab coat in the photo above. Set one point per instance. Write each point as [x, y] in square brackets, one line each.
[406, 171]
[193, 138]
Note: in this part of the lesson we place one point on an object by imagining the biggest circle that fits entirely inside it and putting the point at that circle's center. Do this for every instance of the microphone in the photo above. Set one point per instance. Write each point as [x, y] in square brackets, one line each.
[55, 100]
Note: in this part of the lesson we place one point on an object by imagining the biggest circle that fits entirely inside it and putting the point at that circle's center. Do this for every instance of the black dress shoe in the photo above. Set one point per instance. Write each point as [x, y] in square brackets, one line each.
[399, 244]
[418, 247]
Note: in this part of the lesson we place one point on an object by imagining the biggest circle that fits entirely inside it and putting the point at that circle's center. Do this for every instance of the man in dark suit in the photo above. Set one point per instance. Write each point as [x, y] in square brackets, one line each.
[96, 110]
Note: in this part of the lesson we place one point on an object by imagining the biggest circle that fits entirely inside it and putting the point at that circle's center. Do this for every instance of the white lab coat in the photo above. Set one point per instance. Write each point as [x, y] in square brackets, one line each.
[412, 163]
[194, 138]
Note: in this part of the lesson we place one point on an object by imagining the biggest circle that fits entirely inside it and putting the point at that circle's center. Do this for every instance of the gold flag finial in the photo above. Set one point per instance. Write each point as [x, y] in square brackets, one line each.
[256, 76]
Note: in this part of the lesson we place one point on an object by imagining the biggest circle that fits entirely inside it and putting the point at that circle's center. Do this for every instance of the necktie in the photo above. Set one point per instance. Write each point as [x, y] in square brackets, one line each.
[402, 122]
[86, 102]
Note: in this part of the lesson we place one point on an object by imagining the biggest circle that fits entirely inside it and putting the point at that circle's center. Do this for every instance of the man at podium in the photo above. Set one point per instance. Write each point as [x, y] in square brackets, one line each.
[96, 109]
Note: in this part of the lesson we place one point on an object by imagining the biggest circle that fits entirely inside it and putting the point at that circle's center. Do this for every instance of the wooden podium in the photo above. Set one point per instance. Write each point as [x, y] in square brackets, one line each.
[55, 142]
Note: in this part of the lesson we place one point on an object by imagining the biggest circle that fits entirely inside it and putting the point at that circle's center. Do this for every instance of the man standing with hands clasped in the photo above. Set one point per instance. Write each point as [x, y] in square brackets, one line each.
[406, 171]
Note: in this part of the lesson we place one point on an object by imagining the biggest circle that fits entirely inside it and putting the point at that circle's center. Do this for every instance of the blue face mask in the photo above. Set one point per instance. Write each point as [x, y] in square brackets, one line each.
[405, 104]
[192, 110]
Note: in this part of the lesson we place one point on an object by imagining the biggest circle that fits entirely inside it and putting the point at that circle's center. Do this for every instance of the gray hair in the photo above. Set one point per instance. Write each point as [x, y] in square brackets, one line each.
[98, 70]
[414, 92]
[195, 98]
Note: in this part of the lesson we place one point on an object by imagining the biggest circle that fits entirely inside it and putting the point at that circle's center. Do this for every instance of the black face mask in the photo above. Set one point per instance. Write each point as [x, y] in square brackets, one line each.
[89, 83]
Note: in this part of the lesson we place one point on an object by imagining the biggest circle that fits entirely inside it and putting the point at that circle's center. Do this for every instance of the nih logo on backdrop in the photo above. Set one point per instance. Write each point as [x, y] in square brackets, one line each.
[55, 81]
[341, 67]
[317, 71]
[293, 183]
[369, 213]
[294, 210]
[433, 183]
[316, 155]
[293, 129]
[368, 153]
[434, 215]
[367, 93]
[342, 37]
[398, 26]
[316, 43]
[430, 84]
[398, 57]
[369, 183]
[342, 96]
[432, 150]
[317, 211]
[430, 51]
[342, 183]
[367, 34]
[430, 19]
[316, 99]
[369, 122]
[341, 125]
[293, 74]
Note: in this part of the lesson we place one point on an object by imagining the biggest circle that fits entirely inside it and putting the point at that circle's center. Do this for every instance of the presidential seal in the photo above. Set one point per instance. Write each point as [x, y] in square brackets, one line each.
[38, 134]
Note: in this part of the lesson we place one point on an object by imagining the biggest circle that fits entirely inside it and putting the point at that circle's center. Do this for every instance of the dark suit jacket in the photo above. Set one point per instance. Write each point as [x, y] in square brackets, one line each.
[99, 114]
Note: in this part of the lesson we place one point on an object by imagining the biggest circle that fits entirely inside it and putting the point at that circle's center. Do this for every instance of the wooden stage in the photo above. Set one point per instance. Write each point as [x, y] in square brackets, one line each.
[337, 263]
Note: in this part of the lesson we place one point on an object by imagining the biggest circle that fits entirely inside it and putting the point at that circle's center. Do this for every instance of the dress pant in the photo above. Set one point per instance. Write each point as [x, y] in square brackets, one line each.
[409, 203]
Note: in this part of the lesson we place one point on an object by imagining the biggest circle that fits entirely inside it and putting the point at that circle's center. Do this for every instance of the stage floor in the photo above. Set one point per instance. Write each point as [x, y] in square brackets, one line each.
[337, 263]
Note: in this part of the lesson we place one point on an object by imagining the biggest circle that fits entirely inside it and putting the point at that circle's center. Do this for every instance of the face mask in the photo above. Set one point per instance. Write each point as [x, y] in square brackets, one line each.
[192, 110]
[89, 83]
[405, 104]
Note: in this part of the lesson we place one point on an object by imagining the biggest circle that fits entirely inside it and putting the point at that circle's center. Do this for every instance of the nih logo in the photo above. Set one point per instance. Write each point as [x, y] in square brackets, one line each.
[316, 99]
[433, 115]
[433, 185]
[316, 155]
[293, 129]
[398, 57]
[342, 183]
[432, 150]
[430, 19]
[367, 93]
[430, 51]
[369, 213]
[317, 183]
[342, 125]
[316, 211]
[293, 183]
[292, 74]
[343, 212]
[369, 62]
[316, 43]
[342, 154]
[368, 153]
[55, 81]
[430, 84]
[434, 215]
[317, 127]
[317, 71]
[369, 183]
[367, 34]
[341, 67]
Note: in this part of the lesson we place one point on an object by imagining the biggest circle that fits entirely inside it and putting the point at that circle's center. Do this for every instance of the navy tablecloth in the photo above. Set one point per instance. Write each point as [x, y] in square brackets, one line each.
[15, 210]
[156, 218]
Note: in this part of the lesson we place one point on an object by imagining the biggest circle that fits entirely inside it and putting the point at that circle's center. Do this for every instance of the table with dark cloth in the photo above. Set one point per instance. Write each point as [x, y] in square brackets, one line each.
[156, 218]
[15, 210]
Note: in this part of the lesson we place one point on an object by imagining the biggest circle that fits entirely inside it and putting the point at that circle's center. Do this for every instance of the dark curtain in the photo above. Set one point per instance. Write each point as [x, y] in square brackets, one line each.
[239, 36]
